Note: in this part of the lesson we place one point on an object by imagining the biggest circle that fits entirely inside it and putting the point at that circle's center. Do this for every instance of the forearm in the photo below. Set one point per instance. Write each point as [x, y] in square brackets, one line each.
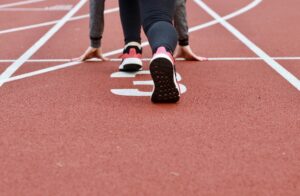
[180, 22]
[96, 22]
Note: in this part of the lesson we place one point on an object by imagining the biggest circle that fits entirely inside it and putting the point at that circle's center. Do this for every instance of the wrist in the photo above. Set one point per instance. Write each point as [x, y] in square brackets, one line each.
[183, 42]
[95, 42]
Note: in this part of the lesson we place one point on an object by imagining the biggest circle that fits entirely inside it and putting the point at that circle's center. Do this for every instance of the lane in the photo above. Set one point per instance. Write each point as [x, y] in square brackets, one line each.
[14, 45]
[292, 66]
[3, 66]
[18, 3]
[294, 81]
[28, 18]
[273, 26]
[37, 45]
[222, 7]
[235, 131]
[276, 32]
[202, 17]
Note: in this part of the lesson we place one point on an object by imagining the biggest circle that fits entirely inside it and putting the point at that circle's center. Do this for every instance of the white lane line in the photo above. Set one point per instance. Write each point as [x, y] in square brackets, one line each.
[251, 58]
[46, 9]
[148, 59]
[49, 69]
[19, 3]
[195, 28]
[52, 22]
[70, 64]
[227, 17]
[40, 9]
[54, 68]
[259, 52]
[22, 59]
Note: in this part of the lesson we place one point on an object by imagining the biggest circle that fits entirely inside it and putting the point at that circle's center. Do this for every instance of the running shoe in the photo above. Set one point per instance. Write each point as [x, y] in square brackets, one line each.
[131, 58]
[162, 69]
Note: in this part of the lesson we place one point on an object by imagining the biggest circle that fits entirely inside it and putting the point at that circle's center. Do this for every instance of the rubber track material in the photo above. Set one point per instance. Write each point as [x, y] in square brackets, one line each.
[165, 90]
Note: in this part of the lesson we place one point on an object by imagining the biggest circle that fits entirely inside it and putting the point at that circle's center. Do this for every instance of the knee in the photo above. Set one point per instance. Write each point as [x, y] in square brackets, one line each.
[154, 18]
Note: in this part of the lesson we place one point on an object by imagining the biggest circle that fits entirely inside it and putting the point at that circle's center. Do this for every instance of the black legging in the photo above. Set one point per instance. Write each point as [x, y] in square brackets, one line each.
[156, 17]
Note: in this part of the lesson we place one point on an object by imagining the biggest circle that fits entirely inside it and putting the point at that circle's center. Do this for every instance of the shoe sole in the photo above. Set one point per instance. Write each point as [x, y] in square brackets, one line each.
[131, 65]
[165, 89]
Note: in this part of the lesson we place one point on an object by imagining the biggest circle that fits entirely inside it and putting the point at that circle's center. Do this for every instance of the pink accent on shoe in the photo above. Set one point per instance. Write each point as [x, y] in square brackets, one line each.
[162, 50]
[132, 54]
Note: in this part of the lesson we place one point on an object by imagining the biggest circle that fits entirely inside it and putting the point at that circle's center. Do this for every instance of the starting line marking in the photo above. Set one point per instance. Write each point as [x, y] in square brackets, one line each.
[17, 64]
[148, 59]
[259, 52]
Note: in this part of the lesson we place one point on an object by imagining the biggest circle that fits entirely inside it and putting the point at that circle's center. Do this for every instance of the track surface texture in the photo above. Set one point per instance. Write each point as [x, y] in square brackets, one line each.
[70, 128]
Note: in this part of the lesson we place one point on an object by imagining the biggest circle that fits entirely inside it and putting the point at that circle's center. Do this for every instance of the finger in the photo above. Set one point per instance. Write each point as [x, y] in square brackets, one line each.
[89, 56]
[192, 58]
[196, 58]
[199, 58]
[100, 56]
[104, 58]
[202, 58]
[177, 53]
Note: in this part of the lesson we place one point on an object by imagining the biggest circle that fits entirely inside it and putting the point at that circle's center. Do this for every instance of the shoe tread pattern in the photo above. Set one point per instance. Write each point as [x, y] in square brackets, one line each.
[131, 67]
[165, 90]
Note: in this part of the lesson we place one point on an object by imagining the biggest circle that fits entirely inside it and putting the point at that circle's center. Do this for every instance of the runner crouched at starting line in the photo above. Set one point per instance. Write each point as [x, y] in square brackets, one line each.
[156, 18]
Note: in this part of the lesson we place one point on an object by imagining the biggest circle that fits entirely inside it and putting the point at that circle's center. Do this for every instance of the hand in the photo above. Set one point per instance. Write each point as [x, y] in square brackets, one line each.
[91, 53]
[187, 53]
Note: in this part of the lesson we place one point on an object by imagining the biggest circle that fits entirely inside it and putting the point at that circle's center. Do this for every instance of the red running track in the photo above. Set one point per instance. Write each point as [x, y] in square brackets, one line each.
[236, 130]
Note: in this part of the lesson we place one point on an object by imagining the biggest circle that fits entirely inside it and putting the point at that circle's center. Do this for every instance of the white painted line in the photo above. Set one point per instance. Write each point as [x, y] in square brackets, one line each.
[259, 52]
[54, 68]
[19, 3]
[31, 10]
[195, 28]
[43, 9]
[34, 73]
[227, 17]
[70, 64]
[18, 63]
[251, 58]
[148, 59]
[52, 22]
[37, 60]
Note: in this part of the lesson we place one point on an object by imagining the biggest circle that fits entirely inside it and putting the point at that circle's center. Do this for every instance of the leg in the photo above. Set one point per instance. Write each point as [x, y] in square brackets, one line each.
[130, 19]
[131, 25]
[180, 20]
[157, 16]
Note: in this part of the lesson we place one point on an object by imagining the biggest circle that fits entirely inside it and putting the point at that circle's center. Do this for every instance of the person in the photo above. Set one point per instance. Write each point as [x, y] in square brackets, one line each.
[180, 21]
[97, 26]
[96, 31]
[156, 19]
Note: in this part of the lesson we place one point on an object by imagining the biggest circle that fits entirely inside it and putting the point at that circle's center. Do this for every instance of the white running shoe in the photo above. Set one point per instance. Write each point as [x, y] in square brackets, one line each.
[131, 58]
